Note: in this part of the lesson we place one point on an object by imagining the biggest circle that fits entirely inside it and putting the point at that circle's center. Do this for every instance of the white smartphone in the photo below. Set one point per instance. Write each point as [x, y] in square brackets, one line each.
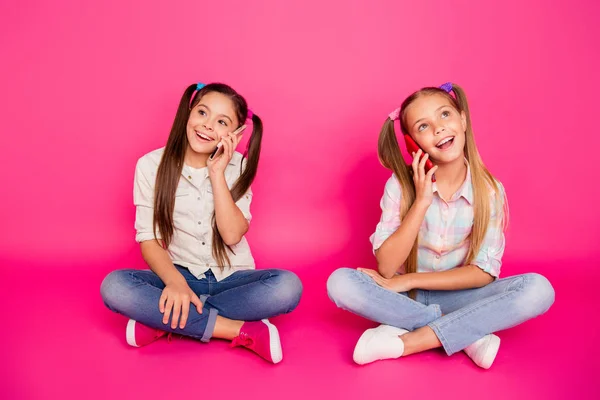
[219, 145]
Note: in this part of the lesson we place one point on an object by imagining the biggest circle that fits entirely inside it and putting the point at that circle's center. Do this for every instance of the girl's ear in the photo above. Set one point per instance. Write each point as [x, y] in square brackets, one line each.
[463, 120]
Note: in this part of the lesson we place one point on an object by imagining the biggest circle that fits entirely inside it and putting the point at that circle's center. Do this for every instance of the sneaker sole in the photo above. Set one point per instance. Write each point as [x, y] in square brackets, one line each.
[490, 356]
[274, 342]
[130, 333]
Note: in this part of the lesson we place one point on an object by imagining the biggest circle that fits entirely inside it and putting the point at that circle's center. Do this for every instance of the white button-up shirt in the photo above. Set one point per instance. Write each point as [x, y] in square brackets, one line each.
[191, 246]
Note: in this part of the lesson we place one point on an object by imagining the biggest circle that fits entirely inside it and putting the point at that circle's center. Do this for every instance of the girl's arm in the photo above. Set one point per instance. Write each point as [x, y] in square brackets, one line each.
[160, 263]
[466, 277]
[394, 251]
[153, 253]
[231, 223]
[176, 297]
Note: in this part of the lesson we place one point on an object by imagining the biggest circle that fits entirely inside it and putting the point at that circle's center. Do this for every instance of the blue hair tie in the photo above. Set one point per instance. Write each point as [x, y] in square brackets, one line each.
[199, 86]
[447, 87]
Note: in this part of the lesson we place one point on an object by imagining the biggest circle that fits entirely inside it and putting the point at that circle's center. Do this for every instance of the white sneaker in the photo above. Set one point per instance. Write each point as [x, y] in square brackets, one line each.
[379, 343]
[483, 352]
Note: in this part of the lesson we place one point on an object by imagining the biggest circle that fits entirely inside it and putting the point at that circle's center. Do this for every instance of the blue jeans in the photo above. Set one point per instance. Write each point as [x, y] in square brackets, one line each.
[248, 295]
[468, 315]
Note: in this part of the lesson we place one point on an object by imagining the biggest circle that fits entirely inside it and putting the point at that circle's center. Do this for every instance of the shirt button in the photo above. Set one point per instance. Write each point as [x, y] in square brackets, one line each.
[207, 265]
[198, 198]
[189, 177]
[203, 243]
[199, 223]
[437, 257]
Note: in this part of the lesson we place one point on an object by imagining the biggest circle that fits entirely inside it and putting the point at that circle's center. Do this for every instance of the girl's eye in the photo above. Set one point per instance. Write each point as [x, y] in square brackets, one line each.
[202, 112]
[445, 114]
[222, 122]
[422, 127]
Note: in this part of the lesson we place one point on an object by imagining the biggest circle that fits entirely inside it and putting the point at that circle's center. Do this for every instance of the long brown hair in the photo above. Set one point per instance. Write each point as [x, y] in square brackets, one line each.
[171, 165]
[482, 179]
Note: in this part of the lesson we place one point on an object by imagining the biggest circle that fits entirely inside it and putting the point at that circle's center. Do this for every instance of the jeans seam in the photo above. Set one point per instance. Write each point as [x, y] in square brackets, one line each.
[470, 309]
[365, 281]
[137, 281]
[237, 278]
[445, 344]
[431, 312]
[519, 287]
[426, 297]
[440, 326]
[265, 281]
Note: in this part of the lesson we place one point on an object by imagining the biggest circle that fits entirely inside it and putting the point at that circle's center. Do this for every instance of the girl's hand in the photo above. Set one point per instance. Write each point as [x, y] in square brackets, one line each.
[398, 283]
[176, 298]
[223, 157]
[423, 181]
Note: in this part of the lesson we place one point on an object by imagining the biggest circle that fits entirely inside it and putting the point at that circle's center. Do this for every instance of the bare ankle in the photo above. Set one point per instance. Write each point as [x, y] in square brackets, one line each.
[408, 343]
[227, 328]
[420, 340]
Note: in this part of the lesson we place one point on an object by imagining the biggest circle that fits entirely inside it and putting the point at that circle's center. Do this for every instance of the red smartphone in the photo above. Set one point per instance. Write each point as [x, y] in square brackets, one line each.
[413, 147]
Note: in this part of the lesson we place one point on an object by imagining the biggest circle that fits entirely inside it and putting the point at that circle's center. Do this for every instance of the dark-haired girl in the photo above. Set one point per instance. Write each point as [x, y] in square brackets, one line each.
[192, 201]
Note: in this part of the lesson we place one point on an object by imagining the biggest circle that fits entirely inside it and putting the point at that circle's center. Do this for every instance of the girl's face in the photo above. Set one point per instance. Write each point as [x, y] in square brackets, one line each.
[212, 118]
[437, 127]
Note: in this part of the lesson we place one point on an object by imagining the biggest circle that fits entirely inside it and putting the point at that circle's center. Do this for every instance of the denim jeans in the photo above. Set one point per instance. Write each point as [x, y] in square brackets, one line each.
[468, 315]
[247, 295]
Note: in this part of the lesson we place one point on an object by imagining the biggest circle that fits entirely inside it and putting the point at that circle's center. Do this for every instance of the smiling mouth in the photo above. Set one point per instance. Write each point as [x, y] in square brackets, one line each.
[203, 137]
[445, 143]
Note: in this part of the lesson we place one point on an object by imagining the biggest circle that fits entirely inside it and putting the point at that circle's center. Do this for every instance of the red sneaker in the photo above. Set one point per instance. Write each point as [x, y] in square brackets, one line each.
[139, 335]
[262, 338]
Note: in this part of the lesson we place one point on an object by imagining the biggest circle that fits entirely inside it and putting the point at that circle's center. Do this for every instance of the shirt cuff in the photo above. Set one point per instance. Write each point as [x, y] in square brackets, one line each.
[144, 236]
[490, 265]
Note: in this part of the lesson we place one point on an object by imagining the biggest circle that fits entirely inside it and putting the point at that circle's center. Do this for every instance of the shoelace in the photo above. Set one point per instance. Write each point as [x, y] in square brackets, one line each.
[160, 333]
[242, 340]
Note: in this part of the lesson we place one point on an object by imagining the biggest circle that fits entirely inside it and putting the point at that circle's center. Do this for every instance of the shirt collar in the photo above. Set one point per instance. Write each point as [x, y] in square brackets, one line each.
[235, 160]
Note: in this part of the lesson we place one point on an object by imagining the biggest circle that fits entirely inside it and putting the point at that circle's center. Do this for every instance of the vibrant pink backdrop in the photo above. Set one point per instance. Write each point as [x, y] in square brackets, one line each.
[89, 87]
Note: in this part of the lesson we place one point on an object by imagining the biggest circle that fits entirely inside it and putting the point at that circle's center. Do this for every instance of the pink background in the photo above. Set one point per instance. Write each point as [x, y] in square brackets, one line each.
[89, 87]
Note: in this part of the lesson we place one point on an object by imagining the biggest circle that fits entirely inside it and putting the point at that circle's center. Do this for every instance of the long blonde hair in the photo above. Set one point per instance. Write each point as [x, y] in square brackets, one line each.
[482, 180]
